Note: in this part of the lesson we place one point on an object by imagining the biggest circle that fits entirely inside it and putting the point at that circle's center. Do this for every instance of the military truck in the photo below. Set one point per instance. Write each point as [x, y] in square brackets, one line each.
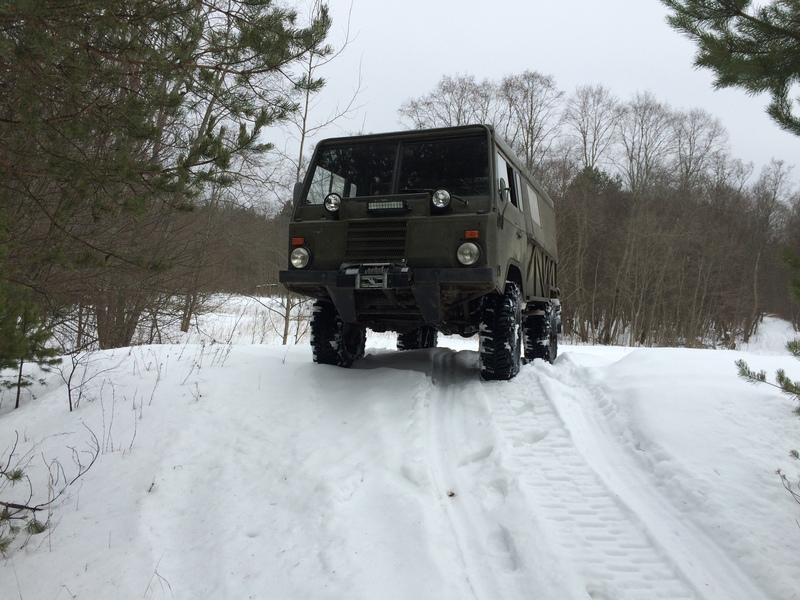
[426, 232]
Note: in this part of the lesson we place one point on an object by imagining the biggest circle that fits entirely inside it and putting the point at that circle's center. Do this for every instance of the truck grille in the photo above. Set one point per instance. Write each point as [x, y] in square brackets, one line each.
[376, 240]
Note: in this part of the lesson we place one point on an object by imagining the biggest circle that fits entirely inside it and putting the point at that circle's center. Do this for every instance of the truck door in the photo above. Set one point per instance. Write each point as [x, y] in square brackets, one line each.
[512, 217]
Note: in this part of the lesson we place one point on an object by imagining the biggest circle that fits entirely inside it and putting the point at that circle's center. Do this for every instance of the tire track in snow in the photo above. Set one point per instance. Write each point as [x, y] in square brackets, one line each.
[611, 553]
[532, 517]
[584, 409]
[438, 405]
[496, 532]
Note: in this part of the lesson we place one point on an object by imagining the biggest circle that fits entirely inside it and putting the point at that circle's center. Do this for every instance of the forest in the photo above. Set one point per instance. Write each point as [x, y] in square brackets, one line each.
[143, 170]
[664, 237]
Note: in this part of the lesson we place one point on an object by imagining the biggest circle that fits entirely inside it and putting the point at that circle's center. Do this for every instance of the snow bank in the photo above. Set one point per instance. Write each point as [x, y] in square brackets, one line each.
[247, 471]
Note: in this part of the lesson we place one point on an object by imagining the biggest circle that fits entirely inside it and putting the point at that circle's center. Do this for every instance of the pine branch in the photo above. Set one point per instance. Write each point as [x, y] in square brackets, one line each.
[746, 373]
[753, 48]
[787, 386]
[783, 383]
[14, 476]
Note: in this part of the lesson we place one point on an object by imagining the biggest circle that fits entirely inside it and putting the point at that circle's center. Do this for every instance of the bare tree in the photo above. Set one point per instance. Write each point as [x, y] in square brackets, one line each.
[459, 100]
[645, 134]
[590, 121]
[307, 122]
[698, 138]
[770, 208]
[301, 129]
[532, 110]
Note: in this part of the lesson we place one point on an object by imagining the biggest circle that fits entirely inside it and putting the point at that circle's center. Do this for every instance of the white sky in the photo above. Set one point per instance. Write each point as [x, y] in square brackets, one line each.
[404, 48]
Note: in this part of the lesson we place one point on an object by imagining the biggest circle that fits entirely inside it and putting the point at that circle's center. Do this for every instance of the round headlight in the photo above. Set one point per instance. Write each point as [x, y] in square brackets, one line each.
[468, 253]
[440, 198]
[299, 258]
[333, 202]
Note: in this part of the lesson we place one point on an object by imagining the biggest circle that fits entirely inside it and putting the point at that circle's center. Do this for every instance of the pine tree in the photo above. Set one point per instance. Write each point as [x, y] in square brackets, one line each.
[755, 48]
[12, 337]
[23, 336]
[792, 261]
[113, 100]
[118, 115]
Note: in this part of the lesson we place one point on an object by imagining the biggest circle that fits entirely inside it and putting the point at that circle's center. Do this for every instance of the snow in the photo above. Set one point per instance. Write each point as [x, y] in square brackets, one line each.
[240, 470]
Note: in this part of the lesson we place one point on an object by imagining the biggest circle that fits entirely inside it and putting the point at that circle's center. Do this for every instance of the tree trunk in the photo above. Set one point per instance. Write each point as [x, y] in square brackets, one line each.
[117, 319]
[750, 325]
[19, 383]
[287, 317]
[189, 306]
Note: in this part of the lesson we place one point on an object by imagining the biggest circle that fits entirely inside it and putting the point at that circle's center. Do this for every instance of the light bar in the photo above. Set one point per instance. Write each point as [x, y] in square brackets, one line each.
[386, 205]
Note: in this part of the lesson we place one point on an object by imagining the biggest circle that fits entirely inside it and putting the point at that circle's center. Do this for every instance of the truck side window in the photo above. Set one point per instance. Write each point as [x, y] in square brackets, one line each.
[533, 202]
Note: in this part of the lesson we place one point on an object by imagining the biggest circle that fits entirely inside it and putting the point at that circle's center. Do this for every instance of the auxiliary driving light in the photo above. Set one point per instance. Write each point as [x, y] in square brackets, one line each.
[441, 198]
[333, 202]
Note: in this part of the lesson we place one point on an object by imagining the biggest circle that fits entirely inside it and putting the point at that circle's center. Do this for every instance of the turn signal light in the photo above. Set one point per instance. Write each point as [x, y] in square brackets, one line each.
[471, 234]
[298, 241]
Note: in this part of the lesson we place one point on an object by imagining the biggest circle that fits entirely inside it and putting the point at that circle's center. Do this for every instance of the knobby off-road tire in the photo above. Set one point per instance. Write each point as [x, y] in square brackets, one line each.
[423, 336]
[334, 342]
[541, 332]
[501, 334]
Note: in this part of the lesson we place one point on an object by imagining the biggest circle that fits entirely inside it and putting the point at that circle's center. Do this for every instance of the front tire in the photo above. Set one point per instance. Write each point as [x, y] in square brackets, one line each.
[334, 342]
[423, 336]
[501, 334]
[541, 332]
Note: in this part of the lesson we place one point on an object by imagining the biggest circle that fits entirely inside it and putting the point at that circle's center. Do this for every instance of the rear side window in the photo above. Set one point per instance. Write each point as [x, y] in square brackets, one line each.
[533, 202]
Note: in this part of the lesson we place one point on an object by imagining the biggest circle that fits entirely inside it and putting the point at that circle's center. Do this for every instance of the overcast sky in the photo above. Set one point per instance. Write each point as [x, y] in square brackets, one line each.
[404, 47]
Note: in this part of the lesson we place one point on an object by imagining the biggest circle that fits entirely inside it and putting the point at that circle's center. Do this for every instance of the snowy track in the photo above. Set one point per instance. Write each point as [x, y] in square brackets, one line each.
[263, 475]
[610, 550]
[518, 491]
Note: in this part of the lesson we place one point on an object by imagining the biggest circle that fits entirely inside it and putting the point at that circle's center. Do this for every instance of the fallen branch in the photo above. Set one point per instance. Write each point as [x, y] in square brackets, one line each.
[14, 506]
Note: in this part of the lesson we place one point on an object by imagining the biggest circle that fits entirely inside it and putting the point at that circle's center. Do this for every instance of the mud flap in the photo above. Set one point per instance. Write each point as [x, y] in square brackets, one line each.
[345, 302]
[428, 299]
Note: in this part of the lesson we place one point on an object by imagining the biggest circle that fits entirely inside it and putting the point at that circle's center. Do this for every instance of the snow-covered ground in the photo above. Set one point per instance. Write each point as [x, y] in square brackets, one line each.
[234, 471]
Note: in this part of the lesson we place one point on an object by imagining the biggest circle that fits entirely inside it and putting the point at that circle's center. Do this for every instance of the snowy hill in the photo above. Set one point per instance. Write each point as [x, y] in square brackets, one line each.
[247, 471]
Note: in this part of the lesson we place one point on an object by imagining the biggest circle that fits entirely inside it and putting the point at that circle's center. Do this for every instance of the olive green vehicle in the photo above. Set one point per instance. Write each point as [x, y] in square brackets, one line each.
[426, 232]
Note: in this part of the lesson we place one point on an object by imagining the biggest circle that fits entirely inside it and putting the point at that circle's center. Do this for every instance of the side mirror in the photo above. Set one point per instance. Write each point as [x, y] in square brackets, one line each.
[298, 187]
[503, 190]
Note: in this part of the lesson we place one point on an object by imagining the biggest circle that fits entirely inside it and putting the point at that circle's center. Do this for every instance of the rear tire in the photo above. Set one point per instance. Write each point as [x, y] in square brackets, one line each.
[541, 332]
[423, 336]
[334, 342]
[501, 334]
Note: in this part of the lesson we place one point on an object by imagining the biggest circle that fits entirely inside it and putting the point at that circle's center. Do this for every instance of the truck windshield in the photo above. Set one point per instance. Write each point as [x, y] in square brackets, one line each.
[360, 170]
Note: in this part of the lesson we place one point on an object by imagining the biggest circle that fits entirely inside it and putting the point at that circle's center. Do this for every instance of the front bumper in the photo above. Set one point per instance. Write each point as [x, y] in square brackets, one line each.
[426, 285]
